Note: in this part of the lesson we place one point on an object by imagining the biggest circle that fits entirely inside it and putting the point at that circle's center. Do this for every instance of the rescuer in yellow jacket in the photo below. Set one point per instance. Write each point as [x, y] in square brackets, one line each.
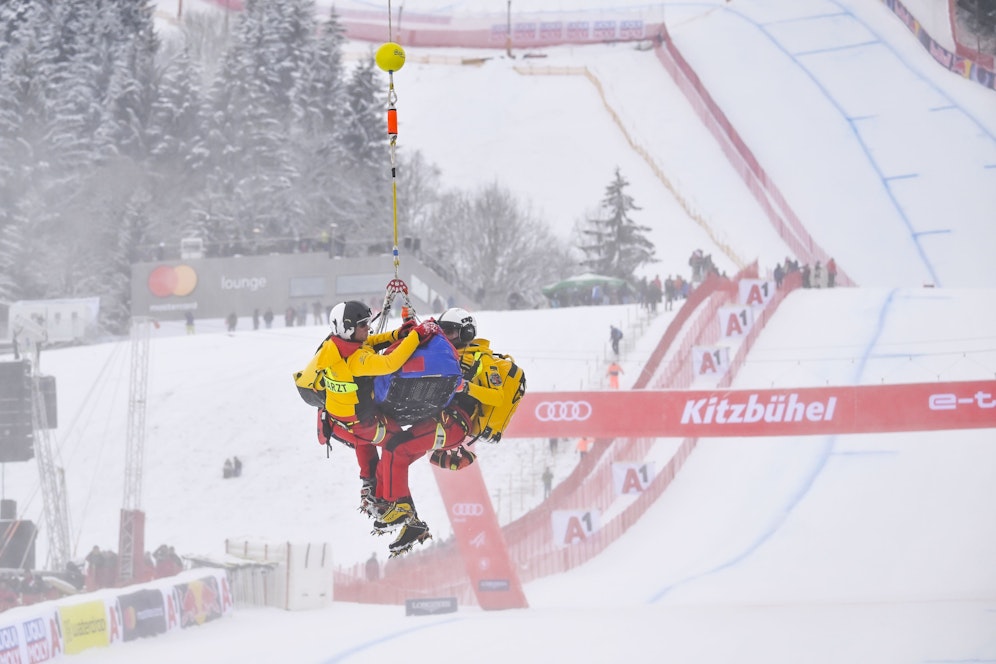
[339, 380]
[444, 433]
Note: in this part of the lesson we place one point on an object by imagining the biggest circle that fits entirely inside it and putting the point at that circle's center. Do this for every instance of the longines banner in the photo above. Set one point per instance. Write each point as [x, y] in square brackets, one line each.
[783, 412]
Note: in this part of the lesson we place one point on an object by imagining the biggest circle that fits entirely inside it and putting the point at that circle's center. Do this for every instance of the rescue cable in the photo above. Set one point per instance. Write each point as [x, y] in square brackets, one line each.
[390, 57]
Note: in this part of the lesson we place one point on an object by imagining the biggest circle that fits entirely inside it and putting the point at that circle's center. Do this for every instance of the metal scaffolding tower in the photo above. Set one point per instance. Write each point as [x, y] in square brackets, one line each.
[53, 483]
[131, 541]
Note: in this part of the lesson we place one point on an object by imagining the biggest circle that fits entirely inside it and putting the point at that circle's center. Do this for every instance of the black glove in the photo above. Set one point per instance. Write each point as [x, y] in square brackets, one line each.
[405, 328]
[324, 427]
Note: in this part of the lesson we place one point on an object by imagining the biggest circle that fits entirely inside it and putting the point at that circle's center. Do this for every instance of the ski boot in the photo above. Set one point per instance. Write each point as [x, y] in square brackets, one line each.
[414, 531]
[394, 516]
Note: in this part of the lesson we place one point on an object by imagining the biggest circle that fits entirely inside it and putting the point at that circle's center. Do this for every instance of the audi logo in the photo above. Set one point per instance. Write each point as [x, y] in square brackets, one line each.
[563, 411]
[467, 509]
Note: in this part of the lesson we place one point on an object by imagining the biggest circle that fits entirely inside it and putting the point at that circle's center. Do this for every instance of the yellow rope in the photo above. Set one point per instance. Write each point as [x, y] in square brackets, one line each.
[392, 97]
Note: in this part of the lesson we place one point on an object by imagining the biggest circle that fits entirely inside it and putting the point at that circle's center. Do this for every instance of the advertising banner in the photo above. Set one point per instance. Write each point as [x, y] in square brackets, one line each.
[142, 614]
[631, 478]
[200, 601]
[573, 526]
[710, 361]
[775, 412]
[479, 537]
[755, 292]
[735, 322]
[84, 626]
[10, 645]
[430, 606]
[42, 637]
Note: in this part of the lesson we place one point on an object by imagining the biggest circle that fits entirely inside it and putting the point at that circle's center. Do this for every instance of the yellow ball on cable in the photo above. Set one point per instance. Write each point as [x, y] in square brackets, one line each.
[390, 57]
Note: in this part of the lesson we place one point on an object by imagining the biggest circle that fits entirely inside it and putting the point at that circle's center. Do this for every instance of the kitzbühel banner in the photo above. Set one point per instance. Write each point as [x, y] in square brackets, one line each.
[775, 412]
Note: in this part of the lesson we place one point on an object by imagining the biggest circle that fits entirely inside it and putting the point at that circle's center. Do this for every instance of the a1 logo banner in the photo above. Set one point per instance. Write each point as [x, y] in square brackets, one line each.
[631, 478]
[573, 526]
[755, 292]
[710, 360]
[735, 322]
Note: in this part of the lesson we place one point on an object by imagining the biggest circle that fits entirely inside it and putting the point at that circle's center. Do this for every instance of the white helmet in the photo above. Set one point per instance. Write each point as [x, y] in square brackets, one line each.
[346, 316]
[456, 318]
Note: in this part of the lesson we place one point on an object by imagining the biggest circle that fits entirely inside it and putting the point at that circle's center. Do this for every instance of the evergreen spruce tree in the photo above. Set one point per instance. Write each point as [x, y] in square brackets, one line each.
[251, 183]
[132, 78]
[613, 244]
[109, 147]
[363, 197]
[177, 152]
[321, 155]
[125, 235]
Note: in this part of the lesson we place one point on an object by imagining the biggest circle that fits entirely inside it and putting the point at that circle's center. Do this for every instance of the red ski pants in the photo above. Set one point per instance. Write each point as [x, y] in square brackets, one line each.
[444, 431]
[364, 437]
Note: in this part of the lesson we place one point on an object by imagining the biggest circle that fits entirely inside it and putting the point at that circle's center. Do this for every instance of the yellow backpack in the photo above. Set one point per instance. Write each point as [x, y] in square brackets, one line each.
[501, 372]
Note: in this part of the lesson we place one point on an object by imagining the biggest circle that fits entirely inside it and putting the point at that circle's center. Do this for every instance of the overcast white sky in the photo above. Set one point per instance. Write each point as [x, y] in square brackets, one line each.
[818, 549]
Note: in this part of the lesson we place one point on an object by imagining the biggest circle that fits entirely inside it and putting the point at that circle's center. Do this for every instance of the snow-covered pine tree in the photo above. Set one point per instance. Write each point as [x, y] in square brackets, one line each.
[321, 155]
[612, 242]
[364, 197]
[177, 152]
[129, 81]
[18, 71]
[251, 193]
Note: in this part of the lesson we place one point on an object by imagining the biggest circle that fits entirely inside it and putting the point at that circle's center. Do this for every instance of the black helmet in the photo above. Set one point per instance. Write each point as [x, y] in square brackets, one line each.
[345, 317]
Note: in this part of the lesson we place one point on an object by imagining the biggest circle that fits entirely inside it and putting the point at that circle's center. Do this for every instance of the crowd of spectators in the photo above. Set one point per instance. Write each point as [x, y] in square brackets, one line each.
[817, 276]
[649, 293]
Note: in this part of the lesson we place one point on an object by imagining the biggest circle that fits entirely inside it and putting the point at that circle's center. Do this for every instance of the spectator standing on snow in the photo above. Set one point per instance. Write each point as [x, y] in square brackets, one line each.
[613, 373]
[373, 567]
[615, 335]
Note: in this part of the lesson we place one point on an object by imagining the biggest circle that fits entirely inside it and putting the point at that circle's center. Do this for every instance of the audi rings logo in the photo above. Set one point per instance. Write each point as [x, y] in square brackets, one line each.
[467, 509]
[563, 411]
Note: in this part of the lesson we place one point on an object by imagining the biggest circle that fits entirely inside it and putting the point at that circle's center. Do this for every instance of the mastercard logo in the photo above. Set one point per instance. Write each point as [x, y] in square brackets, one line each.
[130, 618]
[166, 280]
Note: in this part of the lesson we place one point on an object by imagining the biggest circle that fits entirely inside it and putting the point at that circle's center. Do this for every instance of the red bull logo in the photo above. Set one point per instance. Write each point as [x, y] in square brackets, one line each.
[167, 280]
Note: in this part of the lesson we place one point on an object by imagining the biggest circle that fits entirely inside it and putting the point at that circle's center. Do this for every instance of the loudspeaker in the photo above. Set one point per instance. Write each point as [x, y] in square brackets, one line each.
[17, 433]
[14, 380]
[17, 544]
[46, 386]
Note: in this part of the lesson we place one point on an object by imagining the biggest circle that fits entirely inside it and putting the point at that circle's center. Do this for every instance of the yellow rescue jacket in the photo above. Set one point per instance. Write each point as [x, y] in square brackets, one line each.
[475, 357]
[339, 365]
[495, 386]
